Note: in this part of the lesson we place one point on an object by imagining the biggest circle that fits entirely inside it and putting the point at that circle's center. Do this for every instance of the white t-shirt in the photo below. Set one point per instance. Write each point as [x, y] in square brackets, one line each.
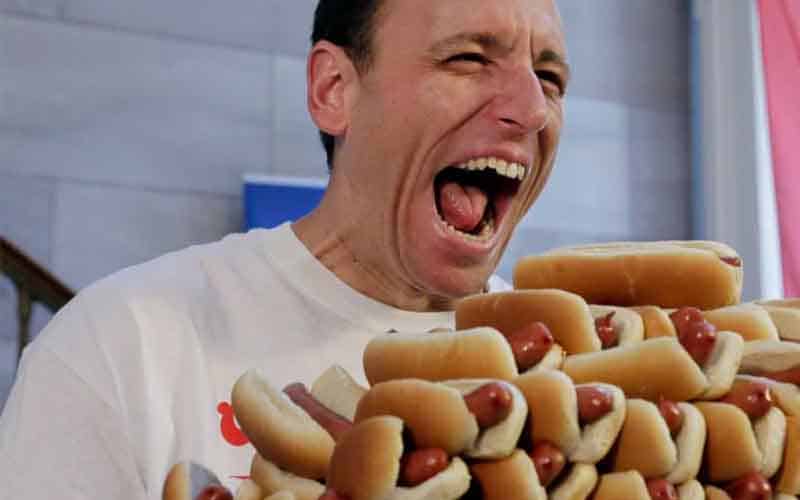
[135, 374]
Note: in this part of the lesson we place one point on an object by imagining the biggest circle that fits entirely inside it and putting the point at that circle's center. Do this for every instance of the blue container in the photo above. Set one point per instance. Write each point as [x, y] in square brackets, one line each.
[270, 201]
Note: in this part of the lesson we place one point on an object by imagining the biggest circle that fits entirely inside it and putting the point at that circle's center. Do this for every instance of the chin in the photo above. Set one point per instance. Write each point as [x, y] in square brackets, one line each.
[453, 283]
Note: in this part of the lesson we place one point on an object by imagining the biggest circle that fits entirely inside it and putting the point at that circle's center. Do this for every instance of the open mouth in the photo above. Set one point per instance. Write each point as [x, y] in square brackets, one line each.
[473, 197]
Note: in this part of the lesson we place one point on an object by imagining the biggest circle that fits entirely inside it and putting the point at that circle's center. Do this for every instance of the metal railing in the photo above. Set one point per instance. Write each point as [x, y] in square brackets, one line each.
[33, 283]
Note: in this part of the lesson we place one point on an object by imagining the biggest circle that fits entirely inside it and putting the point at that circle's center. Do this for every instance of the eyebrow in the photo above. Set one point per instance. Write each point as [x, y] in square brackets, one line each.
[485, 40]
[553, 57]
[489, 41]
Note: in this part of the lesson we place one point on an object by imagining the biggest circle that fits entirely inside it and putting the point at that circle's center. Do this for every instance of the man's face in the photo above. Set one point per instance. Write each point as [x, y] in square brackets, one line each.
[452, 136]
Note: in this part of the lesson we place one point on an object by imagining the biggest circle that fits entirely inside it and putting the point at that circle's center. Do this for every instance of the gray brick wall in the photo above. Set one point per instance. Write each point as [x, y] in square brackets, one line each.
[125, 127]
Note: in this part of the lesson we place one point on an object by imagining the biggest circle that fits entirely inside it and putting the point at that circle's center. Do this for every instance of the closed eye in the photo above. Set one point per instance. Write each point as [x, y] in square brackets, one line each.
[552, 78]
[474, 57]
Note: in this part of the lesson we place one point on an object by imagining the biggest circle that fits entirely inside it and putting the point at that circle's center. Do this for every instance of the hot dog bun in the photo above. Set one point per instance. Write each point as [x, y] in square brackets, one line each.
[281, 431]
[618, 485]
[598, 437]
[554, 416]
[731, 446]
[644, 424]
[714, 493]
[512, 478]
[366, 466]
[656, 322]
[366, 462]
[281, 495]
[751, 321]
[500, 440]
[723, 364]
[566, 315]
[666, 274]
[769, 356]
[185, 480]
[788, 479]
[690, 442]
[250, 490]
[271, 479]
[785, 314]
[578, 485]
[786, 396]
[474, 353]
[337, 390]
[435, 414]
[627, 323]
[553, 408]
[553, 360]
[770, 432]
[649, 369]
[691, 490]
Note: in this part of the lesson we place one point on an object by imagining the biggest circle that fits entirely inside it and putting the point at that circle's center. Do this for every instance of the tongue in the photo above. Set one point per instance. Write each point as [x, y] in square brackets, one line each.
[462, 205]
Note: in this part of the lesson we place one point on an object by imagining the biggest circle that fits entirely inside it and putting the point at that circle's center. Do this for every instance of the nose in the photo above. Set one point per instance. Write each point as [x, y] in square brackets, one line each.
[520, 106]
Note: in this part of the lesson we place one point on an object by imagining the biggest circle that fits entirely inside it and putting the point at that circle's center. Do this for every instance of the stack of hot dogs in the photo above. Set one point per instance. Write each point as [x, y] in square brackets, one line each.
[667, 388]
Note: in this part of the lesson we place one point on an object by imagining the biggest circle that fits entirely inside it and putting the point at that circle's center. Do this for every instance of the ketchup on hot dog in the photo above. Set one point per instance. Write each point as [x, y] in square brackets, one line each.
[695, 333]
[606, 331]
[753, 398]
[548, 460]
[593, 403]
[530, 344]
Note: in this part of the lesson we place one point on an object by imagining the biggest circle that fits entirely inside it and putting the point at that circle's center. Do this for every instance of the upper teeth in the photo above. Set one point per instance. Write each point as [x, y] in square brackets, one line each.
[502, 167]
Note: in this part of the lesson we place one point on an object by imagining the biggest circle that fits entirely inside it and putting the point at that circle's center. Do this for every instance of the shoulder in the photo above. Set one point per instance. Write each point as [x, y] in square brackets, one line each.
[153, 296]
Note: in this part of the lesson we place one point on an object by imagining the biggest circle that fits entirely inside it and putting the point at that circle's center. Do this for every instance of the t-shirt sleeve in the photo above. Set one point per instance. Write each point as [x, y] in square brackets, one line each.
[59, 437]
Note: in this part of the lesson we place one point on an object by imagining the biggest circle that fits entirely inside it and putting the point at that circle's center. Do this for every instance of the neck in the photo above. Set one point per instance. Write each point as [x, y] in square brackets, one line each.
[333, 241]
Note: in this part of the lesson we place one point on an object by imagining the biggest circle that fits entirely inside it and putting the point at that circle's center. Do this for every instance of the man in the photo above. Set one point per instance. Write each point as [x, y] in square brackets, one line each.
[441, 120]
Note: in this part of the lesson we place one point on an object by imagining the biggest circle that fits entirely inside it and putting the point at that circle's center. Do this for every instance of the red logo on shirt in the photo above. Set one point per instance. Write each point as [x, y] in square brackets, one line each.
[227, 426]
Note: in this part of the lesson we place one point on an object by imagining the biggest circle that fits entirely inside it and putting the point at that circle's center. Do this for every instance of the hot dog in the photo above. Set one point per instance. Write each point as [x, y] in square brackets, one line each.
[191, 481]
[577, 484]
[751, 486]
[660, 367]
[512, 478]
[751, 321]
[785, 314]
[617, 326]
[280, 430]
[754, 398]
[632, 486]
[566, 315]
[785, 396]
[689, 439]
[675, 460]
[656, 322]
[717, 353]
[731, 446]
[474, 353]
[707, 275]
[271, 480]
[788, 479]
[337, 390]
[497, 437]
[366, 464]
[460, 417]
[779, 361]
[582, 421]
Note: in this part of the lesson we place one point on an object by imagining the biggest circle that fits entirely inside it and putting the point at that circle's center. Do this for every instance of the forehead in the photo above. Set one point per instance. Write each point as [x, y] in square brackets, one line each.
[409, 23]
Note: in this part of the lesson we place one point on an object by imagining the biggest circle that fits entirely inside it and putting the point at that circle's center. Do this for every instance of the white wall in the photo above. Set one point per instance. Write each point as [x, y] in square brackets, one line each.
[736, 202]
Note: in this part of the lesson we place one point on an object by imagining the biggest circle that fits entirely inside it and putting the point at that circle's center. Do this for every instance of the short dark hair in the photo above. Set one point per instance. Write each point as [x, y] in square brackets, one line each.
[348, 24]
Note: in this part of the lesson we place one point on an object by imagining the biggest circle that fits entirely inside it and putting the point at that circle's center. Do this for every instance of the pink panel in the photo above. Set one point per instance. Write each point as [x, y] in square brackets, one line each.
[780, 32]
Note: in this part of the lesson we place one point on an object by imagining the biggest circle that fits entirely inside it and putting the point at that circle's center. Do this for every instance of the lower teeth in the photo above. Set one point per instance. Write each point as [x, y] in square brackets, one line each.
[486, 226]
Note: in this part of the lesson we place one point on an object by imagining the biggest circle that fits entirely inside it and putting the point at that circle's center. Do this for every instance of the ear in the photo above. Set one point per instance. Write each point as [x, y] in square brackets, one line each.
[331, 78]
